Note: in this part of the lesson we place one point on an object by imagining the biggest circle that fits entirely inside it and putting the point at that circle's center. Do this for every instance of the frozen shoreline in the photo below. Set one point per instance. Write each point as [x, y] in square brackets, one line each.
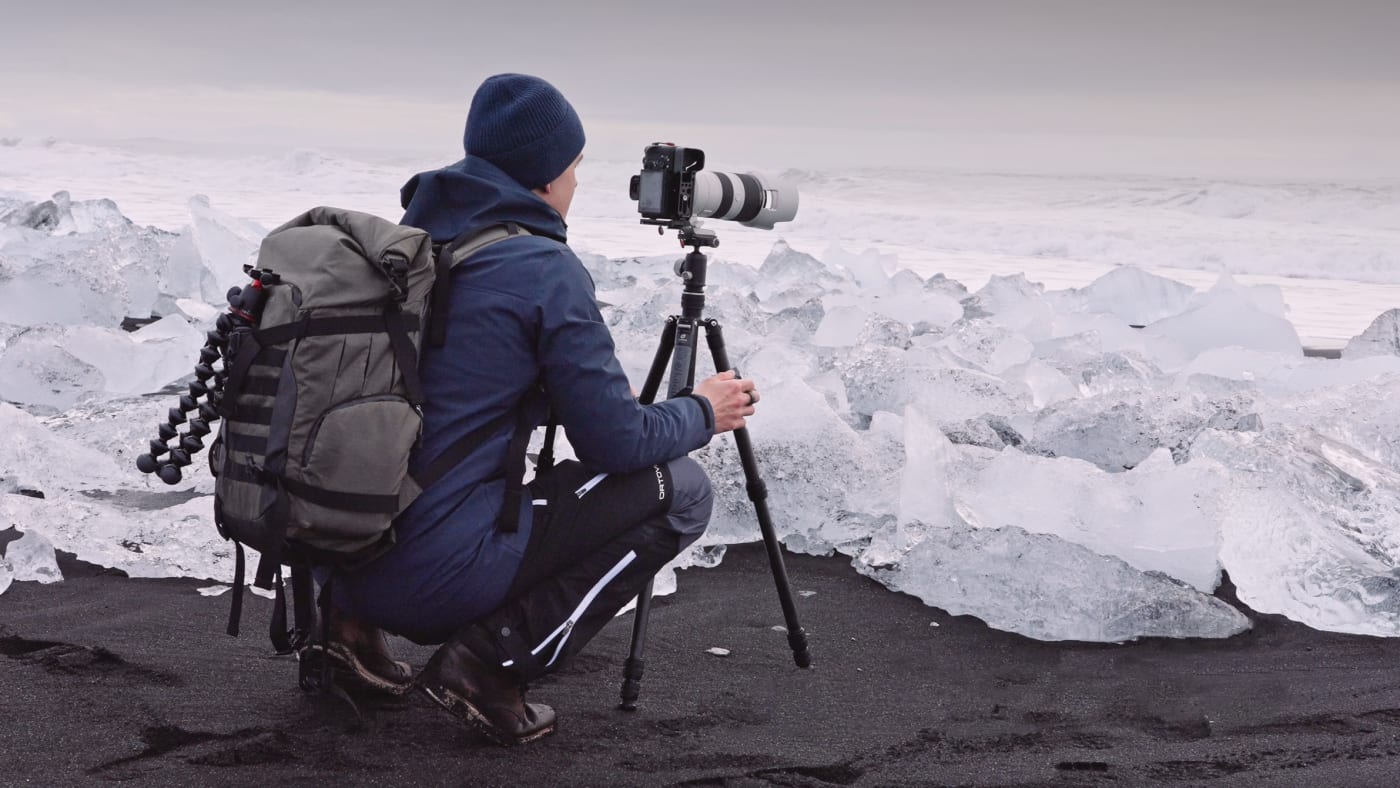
[909, 422]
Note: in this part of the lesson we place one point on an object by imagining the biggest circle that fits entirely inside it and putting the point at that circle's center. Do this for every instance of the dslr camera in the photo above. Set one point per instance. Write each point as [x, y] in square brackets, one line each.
[672, 191]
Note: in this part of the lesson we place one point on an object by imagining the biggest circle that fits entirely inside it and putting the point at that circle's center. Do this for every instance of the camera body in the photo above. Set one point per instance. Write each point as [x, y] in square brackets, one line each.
[665, 189]
[672, 191]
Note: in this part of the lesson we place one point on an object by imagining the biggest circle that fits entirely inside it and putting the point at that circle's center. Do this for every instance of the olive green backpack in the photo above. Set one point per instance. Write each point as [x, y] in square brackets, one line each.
[321, 403]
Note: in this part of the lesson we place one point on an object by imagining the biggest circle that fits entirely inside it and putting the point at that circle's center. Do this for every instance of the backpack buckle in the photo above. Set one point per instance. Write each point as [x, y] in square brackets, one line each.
[395, 267]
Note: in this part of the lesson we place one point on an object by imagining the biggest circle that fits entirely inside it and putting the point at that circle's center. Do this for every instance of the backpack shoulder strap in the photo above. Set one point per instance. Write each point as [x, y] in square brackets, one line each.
[452, 254]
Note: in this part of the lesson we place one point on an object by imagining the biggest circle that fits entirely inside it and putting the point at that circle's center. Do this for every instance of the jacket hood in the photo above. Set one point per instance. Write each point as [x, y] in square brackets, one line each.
[471, 195]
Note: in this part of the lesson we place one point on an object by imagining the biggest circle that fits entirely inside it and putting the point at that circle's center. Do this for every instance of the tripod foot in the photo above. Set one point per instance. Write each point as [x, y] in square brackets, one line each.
[631, 683]
[797, 639]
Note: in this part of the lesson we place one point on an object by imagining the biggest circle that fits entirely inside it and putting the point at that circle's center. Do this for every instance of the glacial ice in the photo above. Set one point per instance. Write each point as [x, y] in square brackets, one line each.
[84, 269]
[1158, 517]
[1309, 528]
[56, 366]
[31, 558]
[1018, 454]
[1135, 296]
[1050, 589]
[1382, 337]
[7, 575]
[1225, 317]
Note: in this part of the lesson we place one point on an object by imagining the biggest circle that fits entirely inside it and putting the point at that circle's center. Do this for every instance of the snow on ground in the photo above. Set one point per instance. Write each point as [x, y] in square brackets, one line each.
[956, 393]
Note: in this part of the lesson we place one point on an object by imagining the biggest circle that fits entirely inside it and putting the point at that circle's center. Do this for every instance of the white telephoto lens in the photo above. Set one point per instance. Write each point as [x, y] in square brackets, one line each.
[752, 199]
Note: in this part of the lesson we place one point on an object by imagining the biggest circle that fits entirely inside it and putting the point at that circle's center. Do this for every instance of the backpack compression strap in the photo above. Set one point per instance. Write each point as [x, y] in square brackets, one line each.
[514, 466]
[454, 253]
[450, 255]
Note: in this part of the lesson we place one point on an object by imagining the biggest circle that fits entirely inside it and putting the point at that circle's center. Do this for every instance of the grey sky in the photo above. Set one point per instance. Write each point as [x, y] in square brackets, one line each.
[1282, 86]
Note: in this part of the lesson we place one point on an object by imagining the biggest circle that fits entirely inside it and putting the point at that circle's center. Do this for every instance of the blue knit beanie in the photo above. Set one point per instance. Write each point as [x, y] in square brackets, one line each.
[525, 127]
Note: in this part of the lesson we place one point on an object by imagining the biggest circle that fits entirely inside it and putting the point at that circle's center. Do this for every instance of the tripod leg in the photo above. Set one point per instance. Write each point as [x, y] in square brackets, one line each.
[634, 666]
[632, 669]
[758, 494]
[658, 363]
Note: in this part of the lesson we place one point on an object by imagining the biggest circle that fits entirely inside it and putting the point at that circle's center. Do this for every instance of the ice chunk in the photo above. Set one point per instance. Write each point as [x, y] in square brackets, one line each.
[788, 277]
[214, 250]
[31, 557]
[177, 540]
[1016, 303]
[889, 379]
[841, 326]
[813, 464]
[34, 370]
[1136, 296]
[57, 366]
[7, 576]
[924, 492]
[1047, 588]
[62, 216]
[198, 311]
[985, 345]
[868, 268]
[1046, 384]
[1353, 402]
[96, 277]
[33, 456]
[1159, 517]
[1226, 318]
[1119, 431]
[1237, 363]
[1309, 528]
[1381, 338]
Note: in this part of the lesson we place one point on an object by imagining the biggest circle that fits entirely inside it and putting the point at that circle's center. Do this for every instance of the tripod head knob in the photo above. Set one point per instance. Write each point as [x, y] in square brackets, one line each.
[169, 474]
[147, 464]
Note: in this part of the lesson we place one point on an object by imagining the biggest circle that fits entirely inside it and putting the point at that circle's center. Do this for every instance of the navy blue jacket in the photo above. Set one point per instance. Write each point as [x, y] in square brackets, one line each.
[522, 312]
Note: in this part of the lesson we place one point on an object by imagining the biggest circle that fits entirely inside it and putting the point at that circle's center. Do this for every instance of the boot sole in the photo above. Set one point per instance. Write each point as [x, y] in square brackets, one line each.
[344, 663]
[469, 715]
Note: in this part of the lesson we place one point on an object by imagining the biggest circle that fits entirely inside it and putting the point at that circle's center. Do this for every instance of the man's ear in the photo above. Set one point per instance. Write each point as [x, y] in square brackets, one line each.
[545, 189]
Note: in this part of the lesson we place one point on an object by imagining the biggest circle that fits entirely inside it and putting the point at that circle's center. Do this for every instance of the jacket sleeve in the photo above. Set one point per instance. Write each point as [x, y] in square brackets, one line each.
[588, 390]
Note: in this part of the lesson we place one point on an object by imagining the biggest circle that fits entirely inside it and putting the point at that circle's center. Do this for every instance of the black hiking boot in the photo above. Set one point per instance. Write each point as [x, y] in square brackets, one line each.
[484, 696]
[359, 653]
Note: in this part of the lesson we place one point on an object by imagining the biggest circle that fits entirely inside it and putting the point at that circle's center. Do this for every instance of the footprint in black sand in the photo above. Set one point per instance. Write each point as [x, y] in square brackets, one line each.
[87, 662]
[250, 747]
[727, 716]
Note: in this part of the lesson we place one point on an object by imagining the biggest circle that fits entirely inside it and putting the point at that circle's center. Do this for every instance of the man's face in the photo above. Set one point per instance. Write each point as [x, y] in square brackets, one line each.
[559, 193]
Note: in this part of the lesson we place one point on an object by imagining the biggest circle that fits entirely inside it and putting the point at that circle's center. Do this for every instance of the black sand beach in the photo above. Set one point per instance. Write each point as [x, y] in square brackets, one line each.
[104, 678]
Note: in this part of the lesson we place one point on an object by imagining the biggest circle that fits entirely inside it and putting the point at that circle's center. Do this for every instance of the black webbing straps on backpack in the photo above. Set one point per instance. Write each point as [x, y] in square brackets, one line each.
[466, 245]
[514, 466]
[284, 640]
[248, 349]
[405, 354]
[546, 460]
[235, 613]
[453, 455]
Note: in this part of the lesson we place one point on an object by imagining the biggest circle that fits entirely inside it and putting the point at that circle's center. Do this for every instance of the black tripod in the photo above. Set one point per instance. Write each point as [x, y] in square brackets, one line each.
[679, 346]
